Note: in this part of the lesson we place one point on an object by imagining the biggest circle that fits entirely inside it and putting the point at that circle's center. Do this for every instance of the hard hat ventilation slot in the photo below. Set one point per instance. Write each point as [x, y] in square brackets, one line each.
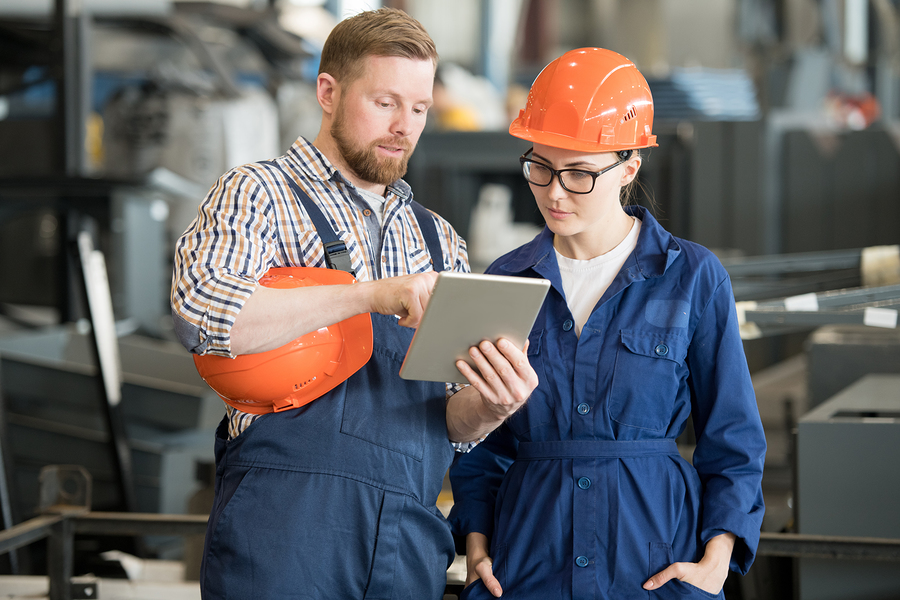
[302, 384]
[629, 115]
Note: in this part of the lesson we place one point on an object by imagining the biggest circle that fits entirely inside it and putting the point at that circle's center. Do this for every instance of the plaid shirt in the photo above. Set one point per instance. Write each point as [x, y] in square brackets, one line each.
[250, 222]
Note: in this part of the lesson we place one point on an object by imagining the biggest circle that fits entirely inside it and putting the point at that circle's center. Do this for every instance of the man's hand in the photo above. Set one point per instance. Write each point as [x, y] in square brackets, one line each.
[709, 574]
[479, 565]
[405, 296]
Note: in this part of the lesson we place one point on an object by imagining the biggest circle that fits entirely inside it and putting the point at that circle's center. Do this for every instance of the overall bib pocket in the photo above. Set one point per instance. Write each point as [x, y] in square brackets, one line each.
[398, 418]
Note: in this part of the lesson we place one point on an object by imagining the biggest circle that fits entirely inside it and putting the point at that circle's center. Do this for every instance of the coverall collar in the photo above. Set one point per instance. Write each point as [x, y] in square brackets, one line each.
[656, 249]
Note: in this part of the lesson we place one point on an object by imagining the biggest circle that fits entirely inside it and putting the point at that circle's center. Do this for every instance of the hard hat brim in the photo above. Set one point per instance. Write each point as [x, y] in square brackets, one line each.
[555, 140]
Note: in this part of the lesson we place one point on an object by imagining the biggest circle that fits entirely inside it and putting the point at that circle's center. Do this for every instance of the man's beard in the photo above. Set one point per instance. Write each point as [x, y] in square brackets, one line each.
[365, 162]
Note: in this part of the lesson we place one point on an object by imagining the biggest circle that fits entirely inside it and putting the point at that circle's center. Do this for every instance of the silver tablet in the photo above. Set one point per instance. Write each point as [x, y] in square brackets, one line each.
[465, 309]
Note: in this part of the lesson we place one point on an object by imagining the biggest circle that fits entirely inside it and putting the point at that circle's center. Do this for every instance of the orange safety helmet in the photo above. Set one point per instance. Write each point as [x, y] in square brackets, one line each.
[590, 100]
[300, 371]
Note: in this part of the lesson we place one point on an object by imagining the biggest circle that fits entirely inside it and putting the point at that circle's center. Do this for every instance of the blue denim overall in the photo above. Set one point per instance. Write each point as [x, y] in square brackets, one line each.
[336, 499]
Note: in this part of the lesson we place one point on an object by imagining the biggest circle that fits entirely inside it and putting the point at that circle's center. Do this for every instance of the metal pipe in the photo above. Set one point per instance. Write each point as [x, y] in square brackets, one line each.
[72, 24]
[113, 523]
[61, 559]
[799, 545]
[28, 532]
[6, 512]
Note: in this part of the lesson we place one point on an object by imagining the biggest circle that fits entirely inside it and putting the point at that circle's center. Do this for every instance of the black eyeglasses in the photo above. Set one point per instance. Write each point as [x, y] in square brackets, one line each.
[575, 181]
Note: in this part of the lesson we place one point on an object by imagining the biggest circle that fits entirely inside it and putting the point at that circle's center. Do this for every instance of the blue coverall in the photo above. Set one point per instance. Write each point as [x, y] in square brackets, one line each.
[583, 493]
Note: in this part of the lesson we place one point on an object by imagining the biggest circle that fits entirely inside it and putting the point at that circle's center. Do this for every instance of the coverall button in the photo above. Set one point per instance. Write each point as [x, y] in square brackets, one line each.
[567, 325]
[367, 212]
[661, 349]
[584, 408]
[584, 483]
[582, 561]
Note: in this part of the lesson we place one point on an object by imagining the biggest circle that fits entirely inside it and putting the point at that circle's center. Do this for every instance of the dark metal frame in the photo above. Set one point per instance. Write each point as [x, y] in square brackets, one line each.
[60, 531]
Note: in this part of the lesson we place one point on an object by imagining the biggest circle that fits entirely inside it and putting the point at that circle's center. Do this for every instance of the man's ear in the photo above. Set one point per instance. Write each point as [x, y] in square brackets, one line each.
[327, 92]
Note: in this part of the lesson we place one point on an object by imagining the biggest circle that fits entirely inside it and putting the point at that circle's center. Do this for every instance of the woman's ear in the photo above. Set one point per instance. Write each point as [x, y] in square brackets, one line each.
[631, 169]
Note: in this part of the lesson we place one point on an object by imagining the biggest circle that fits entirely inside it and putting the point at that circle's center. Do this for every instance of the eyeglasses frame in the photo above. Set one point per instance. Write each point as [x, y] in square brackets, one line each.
[623, 155]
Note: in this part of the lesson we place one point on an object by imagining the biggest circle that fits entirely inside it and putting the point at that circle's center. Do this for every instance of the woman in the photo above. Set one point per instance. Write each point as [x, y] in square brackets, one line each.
[583, 493]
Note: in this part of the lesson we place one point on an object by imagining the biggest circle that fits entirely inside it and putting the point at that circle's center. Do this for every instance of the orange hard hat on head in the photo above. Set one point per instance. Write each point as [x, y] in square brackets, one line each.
[590, 100]
[300, 371]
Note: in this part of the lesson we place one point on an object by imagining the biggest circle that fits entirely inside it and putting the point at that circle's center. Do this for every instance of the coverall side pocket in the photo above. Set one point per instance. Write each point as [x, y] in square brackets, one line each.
[215, 544]
[381, 578]
[479, 591]
[661, 556]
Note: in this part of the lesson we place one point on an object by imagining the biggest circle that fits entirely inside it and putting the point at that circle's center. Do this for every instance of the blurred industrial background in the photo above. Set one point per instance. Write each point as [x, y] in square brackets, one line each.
[779, 149]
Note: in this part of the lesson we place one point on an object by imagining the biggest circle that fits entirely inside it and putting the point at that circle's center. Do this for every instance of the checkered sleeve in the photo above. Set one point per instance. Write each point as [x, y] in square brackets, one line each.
[219, 260]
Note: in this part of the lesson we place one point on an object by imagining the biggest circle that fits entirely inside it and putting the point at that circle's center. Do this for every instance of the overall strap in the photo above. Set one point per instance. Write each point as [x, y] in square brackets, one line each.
[429, 230]
[336, 253]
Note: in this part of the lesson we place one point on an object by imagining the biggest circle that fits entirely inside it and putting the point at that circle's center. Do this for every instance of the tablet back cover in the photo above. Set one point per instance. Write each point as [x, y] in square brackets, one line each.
[465, 309]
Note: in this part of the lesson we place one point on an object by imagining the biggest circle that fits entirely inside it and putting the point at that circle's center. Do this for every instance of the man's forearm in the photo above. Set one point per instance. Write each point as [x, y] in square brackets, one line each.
[271, 317]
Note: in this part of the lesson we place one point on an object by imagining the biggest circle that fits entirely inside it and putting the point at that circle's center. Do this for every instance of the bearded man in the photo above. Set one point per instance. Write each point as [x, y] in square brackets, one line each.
[336, 498]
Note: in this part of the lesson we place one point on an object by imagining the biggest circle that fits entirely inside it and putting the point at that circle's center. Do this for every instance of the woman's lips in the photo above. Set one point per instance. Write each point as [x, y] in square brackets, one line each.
[558, 214]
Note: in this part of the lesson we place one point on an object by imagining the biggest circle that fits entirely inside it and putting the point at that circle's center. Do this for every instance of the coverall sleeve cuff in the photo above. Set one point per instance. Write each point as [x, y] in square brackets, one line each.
[474, 517]
[746, 527]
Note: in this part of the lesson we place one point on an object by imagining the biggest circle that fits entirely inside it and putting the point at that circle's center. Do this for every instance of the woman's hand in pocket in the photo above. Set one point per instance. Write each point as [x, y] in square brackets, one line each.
[709, 574]
[479, 565]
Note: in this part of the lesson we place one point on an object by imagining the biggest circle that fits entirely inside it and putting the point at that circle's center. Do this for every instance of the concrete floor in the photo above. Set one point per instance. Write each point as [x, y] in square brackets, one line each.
[23, 587]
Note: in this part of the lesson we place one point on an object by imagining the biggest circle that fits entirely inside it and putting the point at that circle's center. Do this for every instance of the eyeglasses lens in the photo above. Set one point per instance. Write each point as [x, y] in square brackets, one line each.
[579, 182]
[537, 173]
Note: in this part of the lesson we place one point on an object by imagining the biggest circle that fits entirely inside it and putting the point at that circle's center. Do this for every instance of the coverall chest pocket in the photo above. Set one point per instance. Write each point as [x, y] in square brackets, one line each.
[648, 372]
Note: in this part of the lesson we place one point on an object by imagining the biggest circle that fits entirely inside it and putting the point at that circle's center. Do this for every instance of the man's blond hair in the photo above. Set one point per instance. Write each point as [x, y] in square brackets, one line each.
[381, 32]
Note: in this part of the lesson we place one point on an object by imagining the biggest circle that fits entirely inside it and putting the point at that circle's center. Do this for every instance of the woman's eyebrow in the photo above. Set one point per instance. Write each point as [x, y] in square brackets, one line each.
[577, 163]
